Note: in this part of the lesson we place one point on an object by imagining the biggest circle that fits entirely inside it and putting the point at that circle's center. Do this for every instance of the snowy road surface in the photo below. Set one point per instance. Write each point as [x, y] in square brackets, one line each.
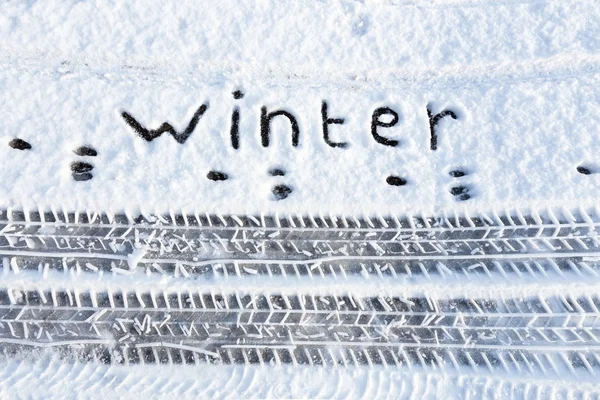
[495, 294]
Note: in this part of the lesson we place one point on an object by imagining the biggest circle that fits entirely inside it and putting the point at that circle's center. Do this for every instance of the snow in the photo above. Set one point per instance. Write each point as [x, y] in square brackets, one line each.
[522, 77]
[23, 380]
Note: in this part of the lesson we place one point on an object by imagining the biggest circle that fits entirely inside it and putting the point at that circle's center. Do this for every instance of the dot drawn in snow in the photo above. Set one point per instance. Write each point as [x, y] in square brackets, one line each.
[281, 192]
[81, 167]
[461, 193]
[85, 151]
[455, 191]
[19, 144]
[86, 176]
[82, 171]
[584, 170]
[395, 181]
[276, 172]
[464, 197]
[217, 176]
[457, 173]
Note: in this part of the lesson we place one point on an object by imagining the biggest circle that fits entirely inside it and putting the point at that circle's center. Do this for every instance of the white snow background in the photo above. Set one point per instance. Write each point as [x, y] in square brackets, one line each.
[523, 77]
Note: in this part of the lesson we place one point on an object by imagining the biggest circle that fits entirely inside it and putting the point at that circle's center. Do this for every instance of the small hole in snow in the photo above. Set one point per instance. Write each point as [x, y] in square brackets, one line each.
[395, 181]
[217, 176]
[281, 192]
[464, 197]
[19, 144]
[83, 177]
[459, 190]
[276, 172]
[81, 167]
[457, 173]
[86, 151]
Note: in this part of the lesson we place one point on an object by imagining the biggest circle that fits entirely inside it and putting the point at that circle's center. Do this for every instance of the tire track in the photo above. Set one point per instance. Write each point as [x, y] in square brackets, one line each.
[539, 318]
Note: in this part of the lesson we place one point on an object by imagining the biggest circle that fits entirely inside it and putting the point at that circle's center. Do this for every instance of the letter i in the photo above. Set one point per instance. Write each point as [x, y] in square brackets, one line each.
[235, 121]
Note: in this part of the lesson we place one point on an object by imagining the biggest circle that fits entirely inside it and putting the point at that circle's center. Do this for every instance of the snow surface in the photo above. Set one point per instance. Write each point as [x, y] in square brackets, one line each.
[522, 77]
[50, 379]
